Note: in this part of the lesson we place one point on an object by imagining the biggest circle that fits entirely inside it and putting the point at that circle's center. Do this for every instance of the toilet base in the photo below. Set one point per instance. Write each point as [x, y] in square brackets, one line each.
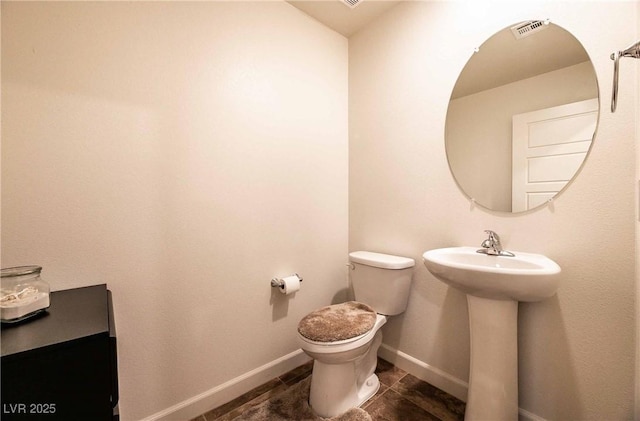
[335, 388]
[368, 389]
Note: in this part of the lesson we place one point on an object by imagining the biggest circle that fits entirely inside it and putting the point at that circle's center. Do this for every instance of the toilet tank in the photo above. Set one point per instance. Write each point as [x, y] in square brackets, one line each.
[381, 280]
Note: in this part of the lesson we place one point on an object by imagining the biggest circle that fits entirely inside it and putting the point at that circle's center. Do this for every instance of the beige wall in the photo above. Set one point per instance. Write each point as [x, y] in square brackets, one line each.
[184, 154]
[577, 349]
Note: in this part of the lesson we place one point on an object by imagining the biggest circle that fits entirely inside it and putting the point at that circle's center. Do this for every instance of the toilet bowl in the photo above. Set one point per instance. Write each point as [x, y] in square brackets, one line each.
[343, 371]
[343, 339]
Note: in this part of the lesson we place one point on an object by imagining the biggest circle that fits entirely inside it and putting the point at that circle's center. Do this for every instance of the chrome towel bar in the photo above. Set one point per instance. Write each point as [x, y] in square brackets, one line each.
[634, 52]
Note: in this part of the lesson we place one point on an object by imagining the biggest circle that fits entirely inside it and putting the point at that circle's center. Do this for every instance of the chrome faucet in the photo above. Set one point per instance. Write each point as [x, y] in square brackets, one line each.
[492, 246]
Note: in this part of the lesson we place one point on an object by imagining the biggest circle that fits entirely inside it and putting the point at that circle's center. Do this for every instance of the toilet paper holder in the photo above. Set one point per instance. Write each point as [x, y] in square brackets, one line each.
[278, 282]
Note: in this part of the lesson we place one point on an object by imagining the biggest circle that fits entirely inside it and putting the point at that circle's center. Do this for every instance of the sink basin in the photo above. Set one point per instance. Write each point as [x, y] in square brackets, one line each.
[525, 277]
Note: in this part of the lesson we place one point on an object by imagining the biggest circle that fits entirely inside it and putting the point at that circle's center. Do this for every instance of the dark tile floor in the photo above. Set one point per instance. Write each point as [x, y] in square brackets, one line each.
[401, 397]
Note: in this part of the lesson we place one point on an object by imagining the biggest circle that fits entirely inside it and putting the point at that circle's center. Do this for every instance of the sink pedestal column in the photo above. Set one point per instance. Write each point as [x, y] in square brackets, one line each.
[493, 376]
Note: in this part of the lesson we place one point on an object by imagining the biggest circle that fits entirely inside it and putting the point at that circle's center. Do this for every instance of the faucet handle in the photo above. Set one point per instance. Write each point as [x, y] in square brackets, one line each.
[491, 234]
[492, 245]
[493, 241]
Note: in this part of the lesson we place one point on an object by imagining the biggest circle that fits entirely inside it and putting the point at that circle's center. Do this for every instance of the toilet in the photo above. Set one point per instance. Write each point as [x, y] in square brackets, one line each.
[343, 339]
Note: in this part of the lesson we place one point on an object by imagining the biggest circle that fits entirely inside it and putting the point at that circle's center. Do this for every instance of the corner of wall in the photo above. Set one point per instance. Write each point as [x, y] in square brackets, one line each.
[637, 123]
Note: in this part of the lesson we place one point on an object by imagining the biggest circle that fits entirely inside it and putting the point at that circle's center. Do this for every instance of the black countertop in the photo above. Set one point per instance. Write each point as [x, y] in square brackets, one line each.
[74, 314]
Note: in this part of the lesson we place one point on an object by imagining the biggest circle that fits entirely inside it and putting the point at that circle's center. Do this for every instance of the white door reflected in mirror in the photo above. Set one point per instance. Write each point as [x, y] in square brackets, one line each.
[549, 146]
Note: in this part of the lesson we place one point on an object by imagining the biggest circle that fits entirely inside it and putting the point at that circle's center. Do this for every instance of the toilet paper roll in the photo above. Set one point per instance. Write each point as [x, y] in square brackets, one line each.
[290, 284]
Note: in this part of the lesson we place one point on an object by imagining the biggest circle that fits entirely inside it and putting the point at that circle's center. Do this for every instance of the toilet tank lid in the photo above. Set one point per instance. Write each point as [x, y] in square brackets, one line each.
[379, 260]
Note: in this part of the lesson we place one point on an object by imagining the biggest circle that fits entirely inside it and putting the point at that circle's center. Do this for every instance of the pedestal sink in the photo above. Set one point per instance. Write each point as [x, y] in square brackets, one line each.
[494, 285]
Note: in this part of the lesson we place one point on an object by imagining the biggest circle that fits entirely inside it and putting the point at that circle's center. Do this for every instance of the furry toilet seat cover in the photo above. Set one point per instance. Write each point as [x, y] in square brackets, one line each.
[337, 322]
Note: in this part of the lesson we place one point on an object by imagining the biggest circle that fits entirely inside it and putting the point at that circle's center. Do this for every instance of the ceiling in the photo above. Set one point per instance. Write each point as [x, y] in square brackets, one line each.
[503, 60]
[341, 18]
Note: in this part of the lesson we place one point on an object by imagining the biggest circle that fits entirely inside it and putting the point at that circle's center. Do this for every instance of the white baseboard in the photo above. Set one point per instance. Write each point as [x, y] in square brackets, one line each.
[436, 377]
[525, 415]
[231, 389]
[432, 375]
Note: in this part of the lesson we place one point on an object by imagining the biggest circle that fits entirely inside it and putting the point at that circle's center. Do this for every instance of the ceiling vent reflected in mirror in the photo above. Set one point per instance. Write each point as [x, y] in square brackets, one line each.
[526, 29]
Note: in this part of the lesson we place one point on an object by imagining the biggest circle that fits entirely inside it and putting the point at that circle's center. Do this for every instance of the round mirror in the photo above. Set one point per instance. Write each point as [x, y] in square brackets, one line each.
[522, 117]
